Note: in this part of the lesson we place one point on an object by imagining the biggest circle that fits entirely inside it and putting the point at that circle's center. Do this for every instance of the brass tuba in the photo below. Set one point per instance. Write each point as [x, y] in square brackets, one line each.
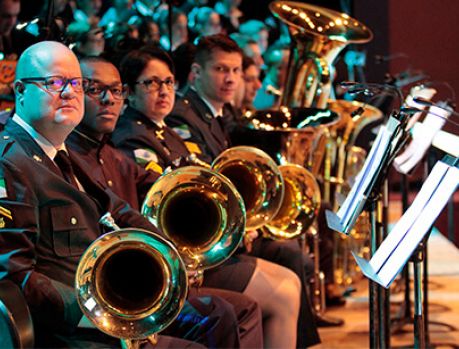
[131, 284]
[200, 211]
[318, 35]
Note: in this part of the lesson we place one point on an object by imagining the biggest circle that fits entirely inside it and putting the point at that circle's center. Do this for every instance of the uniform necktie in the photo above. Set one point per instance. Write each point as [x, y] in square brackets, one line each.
[216, 128]
[62, 160]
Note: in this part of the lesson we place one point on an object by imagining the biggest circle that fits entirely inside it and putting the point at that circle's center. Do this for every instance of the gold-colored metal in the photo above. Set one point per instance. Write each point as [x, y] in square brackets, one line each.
[318, 35]
[300, 205]
[257, 178]
[131, 284]
[200, 211]
[292, 135]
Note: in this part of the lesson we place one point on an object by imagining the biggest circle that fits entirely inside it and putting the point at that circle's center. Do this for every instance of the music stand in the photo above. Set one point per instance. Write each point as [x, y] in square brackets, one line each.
[366, 194]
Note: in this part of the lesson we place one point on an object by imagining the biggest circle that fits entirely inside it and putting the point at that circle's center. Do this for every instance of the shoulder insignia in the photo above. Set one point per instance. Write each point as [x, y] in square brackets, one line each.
[37, 158]
[193, 148]
[3, 193]
[183, 131]
[5, 213]
[153, 166]
[208, 116]
[144, 156]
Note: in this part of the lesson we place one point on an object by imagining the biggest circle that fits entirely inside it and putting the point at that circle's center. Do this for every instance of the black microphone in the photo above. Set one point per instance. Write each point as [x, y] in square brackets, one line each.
[370, 89]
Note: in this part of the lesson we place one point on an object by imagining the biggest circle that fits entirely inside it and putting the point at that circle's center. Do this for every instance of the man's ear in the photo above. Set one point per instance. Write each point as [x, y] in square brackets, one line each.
[196, 69]
[19, 87]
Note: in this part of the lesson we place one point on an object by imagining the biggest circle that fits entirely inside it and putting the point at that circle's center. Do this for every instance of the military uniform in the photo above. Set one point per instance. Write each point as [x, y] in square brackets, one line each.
[134, 134]
[47, 223]
[112, 168]
[131, 182]
[193, 120]
[151, 146]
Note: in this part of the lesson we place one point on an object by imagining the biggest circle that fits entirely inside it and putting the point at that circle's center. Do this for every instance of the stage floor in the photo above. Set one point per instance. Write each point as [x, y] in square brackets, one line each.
[443, 264]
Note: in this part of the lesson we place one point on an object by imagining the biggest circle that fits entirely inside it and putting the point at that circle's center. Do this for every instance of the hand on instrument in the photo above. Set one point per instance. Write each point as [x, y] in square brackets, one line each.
[249, 237]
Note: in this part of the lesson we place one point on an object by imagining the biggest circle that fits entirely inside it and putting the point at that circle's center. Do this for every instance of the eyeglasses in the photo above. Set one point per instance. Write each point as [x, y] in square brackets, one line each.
[99, 90]
[154, 83]
[57, 83]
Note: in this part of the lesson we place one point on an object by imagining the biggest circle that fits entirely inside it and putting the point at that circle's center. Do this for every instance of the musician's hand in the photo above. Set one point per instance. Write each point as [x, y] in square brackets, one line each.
[249, 237]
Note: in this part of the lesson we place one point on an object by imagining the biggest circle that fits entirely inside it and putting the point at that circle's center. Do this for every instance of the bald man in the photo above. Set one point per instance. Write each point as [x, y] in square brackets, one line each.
[48, 214]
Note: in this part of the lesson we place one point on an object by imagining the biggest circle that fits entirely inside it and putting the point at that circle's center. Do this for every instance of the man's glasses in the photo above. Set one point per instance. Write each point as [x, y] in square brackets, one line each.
[57, 83]
[154, 83]
[99, 90]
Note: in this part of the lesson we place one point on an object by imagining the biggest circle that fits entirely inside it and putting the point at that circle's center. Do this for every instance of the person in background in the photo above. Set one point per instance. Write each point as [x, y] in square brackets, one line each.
[204, 21]
[88, 11]
[179, 29]
[119, 13]
[276, 60]
[256, 30]
[86, 40]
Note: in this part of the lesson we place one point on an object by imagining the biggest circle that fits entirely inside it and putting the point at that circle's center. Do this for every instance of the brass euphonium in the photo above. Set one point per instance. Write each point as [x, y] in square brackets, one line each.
[257, 178]
[131, 284]
[200, 211]
[300, 205]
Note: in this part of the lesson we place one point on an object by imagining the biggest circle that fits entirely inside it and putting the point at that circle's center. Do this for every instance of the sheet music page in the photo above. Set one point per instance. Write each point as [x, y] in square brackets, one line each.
[369, 172]
[421, 226]
[406, 221]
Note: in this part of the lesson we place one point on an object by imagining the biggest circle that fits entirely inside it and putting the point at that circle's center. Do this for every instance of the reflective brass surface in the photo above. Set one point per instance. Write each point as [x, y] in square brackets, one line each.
[257, 178]
[131, 283]
[300, 204]
[200, 211]
[291, 135]
[352, 125]
[318, 35]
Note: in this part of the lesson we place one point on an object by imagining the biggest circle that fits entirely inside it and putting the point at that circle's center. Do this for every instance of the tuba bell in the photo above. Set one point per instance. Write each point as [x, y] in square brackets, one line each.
[200, 212]
[131, 284]
[318, 36]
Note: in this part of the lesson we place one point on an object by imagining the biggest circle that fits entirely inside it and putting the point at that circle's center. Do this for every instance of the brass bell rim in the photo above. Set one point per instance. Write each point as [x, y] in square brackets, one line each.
[113, 320]
[344, 28]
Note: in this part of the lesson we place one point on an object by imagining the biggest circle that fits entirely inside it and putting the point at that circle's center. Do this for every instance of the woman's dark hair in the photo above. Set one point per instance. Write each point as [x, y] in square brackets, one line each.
[135, 62]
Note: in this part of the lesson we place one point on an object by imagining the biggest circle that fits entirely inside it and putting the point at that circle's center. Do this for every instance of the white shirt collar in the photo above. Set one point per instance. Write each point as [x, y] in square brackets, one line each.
[44, 144]
[215, 112]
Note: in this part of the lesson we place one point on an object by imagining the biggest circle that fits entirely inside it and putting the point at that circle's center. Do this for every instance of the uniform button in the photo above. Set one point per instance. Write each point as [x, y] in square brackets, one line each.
[139, 122]
[73, 220]
[110, 183]
[101, 161]
[6, 137]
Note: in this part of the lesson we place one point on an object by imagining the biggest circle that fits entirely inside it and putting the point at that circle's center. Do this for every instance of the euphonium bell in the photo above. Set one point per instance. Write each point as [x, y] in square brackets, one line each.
[131, 284]
[300, 204]
[257, 178]
[200, 211]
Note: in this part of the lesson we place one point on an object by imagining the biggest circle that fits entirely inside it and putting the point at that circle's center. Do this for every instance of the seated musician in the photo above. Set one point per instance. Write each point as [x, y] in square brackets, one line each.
[104, 97]
[142, 133]
[50, 206]
[203, 117]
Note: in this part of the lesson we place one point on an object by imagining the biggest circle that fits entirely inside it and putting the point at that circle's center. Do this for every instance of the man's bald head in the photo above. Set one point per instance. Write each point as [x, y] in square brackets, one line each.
[40, 56]
[51, 112]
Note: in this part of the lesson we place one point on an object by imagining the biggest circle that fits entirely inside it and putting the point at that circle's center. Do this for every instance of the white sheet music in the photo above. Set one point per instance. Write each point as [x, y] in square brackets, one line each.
[397, 248]
[352, 206]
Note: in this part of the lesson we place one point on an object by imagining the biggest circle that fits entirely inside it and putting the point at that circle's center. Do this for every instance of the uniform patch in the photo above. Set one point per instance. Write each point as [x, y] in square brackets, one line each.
[3, 193]
[144, 156]
[193, 148]
[183, 131]
[5, 213]
[153, 166]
